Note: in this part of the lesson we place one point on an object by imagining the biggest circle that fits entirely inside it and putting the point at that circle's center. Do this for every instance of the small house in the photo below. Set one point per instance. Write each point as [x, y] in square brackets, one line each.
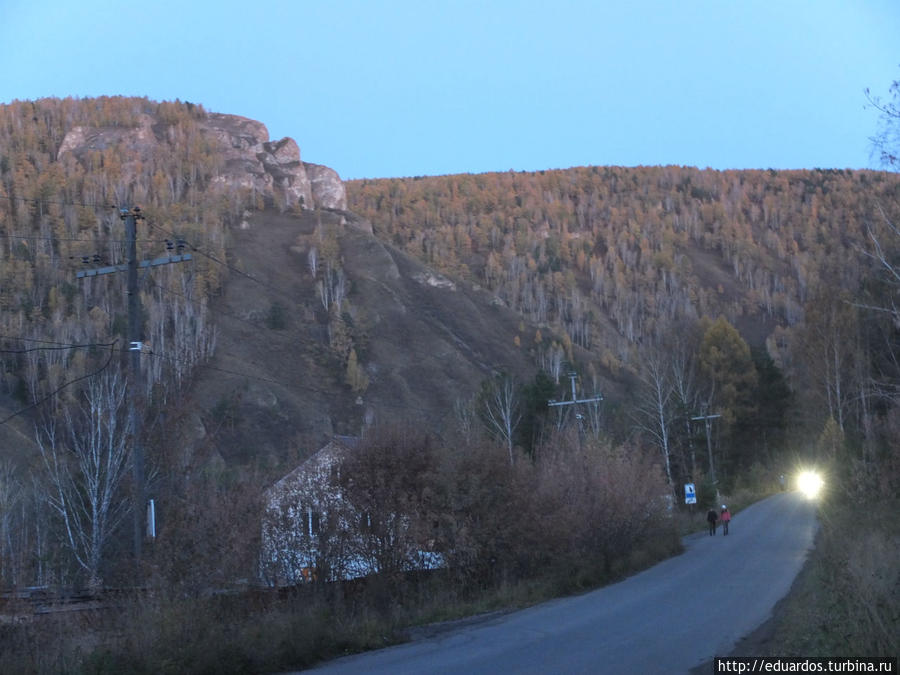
[312, 529]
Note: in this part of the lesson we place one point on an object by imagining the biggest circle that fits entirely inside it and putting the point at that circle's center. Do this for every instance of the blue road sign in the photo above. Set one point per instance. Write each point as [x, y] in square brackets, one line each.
[690, 497]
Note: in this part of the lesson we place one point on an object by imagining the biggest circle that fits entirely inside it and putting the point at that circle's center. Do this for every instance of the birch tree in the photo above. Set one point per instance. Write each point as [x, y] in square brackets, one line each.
[312, 259]
[886, 143]
[84, 467]
[653, 411]
[686, 391]
[464, 411]
[502, 411]
[831, 344]
[11, 497]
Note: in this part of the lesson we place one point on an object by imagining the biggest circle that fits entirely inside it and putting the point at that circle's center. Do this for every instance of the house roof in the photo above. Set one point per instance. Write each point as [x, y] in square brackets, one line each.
[349, 442]
[324, 455]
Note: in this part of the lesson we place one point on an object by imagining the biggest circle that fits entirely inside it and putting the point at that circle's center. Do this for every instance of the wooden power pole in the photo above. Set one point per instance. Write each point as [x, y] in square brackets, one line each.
[596, 398]
[706, 419]
[135, 344]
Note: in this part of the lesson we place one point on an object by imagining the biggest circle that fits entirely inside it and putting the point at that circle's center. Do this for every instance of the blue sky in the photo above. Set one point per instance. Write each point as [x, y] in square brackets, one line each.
[398, 88]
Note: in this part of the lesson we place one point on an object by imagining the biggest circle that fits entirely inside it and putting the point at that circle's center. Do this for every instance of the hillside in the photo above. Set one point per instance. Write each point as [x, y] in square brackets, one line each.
[279, 382]
[612, 255]
[731, 324]
[312, 307]
[248, 348]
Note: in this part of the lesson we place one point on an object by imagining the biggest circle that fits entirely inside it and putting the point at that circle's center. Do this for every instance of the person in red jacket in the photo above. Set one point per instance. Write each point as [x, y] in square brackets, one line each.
[725, 517]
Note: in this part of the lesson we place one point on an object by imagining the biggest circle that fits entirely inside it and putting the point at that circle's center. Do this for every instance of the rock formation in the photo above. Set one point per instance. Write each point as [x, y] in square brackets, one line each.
[249, 158]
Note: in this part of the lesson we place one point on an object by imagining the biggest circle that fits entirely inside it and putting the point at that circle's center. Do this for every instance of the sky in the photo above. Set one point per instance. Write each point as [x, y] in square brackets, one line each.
[386, 88]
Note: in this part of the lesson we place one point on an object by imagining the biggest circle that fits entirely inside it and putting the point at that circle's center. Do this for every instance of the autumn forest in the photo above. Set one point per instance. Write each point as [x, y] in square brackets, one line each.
[725, 326]
[761, 266]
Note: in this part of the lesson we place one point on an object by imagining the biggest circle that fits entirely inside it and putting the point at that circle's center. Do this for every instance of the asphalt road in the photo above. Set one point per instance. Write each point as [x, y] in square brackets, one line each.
[668, 619]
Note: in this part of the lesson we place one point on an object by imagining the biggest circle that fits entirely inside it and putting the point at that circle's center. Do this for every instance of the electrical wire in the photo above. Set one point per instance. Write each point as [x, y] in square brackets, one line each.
[95, 240]
[289, 386]
[215, 259]
[47, 342]
[193, 247]
[177, 361]
[205, 304]
[214, 313]
[61, 347]
[200, 252]
[56, 202]
[62, 386]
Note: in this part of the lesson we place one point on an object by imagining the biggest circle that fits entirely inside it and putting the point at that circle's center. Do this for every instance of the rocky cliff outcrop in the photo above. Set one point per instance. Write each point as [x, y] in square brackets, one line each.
[247, 158]
[326, 185]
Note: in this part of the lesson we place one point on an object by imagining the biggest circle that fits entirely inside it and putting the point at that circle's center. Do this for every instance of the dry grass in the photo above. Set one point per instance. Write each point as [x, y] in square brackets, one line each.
[581, 518]
[258, 632]
[847, 602]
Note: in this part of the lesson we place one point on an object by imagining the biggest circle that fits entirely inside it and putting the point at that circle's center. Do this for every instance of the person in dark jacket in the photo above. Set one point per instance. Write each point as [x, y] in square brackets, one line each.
[725, 517]
[712, 518]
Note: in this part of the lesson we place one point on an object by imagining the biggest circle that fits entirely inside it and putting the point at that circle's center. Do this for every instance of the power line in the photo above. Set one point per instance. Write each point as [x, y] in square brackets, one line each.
[61, 347]
[175, 360]
[203, 253]
[705, 418]
[131, 216]
[218, 312]
[290, 386]
[95, 240]
[204, 303]
[596, 398]
[57, 202]
[215, 313]
[216, 260]
[63, 386]
[50, 342]
[162, 229]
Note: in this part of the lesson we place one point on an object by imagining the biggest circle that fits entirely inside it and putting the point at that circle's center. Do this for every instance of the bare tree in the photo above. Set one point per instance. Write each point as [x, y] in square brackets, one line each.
[877, 253]
[594, 416]
[182, 335]
[312, 258]
[886, 143]
[653, 413]
[831, 342]
[325, 286]
[686, 392]
[502, 412]
[324, 293]
[388, 484]
[84, 473]
[10, 502]
[557, 358]
[339, 288]
[464, 410]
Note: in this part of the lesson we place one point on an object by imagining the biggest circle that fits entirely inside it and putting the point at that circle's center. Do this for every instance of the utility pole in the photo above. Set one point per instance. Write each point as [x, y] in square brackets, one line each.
[135, 344]
[135, 322]
[596, 398]
[706, 419]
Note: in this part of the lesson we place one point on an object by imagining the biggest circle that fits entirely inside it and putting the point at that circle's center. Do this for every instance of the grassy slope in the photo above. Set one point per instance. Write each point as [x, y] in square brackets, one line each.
[270, 393]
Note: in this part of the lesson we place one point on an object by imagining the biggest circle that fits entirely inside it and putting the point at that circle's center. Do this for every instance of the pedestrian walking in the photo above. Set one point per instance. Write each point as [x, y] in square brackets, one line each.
[725, 517]
[712, 518]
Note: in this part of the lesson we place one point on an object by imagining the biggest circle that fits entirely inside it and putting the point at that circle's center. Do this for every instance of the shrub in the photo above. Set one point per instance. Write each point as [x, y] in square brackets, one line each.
[599, 504]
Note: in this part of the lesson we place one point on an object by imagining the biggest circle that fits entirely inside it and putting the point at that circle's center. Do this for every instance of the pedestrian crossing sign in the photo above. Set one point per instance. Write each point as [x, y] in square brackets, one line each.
[690, 497]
